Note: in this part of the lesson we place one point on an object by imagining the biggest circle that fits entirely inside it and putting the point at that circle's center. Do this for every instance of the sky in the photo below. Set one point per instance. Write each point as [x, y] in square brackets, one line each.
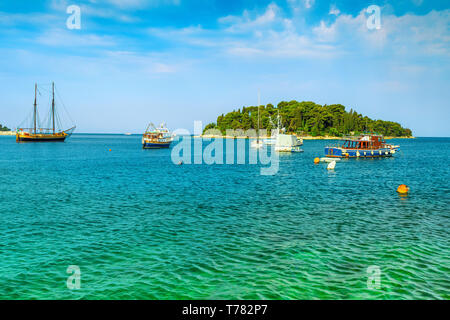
[138, 61]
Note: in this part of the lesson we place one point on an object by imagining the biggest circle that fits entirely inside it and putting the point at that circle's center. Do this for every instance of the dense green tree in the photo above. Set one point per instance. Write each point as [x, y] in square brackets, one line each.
[307, 118]
[2, 128]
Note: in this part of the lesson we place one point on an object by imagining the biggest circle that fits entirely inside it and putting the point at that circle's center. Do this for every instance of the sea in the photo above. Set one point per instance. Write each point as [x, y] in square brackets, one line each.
[98, 217]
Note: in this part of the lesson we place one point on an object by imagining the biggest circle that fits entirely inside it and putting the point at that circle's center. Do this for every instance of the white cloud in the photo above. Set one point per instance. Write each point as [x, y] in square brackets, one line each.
[163, 68]
[67, 38]
[21, 19]
[107, 13]
[103, 9]
[109, 62]
[334, 11]
[142, 63]
[245, 22]
[272, 34]
[268, 34]
[59, 5]
[298, 4]
[309, 3]
[136, 4]
[409, 34]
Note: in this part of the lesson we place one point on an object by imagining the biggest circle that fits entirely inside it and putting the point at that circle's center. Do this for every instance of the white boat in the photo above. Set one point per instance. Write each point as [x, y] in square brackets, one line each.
[287, 143]
[326, 159]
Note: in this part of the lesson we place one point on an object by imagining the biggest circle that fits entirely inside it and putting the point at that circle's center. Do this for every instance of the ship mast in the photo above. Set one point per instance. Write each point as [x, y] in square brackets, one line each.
[53, 106]
[259, 103]
[35, 107]
[278, 121]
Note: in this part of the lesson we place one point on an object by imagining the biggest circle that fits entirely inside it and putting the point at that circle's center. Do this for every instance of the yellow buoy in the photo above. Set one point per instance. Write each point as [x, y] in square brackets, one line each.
[316, 160]
[403, 189]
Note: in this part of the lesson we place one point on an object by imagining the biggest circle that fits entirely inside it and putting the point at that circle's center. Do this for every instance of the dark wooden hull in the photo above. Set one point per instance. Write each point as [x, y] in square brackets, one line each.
[337, 152]
[41, 139]
[150, 145]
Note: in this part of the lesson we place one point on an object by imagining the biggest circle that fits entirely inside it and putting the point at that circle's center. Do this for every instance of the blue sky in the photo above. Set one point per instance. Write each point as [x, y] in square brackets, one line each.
[136, 61]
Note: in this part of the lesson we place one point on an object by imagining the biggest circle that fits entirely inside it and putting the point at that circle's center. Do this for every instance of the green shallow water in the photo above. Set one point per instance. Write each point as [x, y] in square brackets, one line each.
[140, 227]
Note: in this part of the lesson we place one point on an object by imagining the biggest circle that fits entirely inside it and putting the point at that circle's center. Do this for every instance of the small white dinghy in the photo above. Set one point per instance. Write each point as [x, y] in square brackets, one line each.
[331, 165]
[326, 159]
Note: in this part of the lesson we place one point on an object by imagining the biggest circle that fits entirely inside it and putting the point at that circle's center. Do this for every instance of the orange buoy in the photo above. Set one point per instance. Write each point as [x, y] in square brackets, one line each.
[316, 160]
[110, 150]
[403, 189]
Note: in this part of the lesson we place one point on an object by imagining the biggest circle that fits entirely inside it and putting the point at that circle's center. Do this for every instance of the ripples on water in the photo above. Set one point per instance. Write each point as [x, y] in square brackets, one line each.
[141, 227]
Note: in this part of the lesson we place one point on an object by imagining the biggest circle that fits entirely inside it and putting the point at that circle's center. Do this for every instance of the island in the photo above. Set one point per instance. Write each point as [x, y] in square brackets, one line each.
[307, 119]
[5, 131]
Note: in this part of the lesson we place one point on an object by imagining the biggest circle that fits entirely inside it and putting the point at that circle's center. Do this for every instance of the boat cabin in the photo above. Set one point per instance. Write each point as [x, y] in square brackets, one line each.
[364, 142]
[153, 135]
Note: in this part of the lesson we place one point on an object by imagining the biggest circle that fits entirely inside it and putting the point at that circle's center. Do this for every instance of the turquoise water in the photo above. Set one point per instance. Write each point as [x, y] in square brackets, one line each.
[140, 227]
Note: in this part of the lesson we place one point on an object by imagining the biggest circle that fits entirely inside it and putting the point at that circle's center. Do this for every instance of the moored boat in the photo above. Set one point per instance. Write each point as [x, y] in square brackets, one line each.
[328, 160]
[285, 142]
[36, 133]
[156, 138]
[364, 146]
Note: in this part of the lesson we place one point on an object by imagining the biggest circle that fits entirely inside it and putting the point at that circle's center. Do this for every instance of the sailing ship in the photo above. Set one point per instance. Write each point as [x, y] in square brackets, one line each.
[367, 145]
[36, 133]
[156, 138]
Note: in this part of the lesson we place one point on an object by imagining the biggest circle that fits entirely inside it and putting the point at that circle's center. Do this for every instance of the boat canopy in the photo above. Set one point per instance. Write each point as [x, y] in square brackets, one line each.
[364, 141]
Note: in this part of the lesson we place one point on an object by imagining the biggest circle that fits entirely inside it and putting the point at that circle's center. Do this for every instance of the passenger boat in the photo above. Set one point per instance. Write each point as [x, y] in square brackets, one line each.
[364, 146]
[36, 133]
[156, 138]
